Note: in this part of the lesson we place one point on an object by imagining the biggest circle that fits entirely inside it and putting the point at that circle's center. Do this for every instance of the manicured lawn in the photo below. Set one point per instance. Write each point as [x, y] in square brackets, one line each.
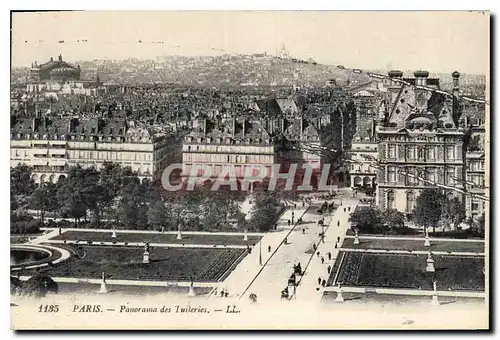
[475, 247]
[158, 238]
[176, 264]
[408, 271]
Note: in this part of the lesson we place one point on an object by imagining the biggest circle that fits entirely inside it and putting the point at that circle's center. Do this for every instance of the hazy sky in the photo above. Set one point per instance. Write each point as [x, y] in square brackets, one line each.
[436, 41]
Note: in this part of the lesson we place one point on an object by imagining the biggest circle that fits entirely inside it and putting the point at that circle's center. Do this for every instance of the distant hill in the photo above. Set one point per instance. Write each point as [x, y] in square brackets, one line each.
[242, 70]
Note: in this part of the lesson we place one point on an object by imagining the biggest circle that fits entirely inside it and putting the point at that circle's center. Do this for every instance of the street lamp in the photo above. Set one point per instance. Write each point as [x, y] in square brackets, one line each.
[260, 252]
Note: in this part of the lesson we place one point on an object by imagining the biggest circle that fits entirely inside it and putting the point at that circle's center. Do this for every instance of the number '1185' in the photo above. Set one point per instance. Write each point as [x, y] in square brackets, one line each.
[48, 309]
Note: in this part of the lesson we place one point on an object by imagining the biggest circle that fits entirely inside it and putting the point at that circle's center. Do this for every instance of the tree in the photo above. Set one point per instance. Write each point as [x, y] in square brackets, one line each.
[366, 219]
[21, 182]
[428, 208]
[453, 211]
[479, 225]
[22, 186]
[44, 198]
[39, 285]
[132, 208]
[157, 214]
[265, 212]
[393, 218]
[79, 192]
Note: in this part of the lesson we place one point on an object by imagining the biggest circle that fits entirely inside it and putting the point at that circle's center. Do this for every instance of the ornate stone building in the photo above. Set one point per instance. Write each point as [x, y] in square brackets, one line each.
[420, 134]
[56, 70]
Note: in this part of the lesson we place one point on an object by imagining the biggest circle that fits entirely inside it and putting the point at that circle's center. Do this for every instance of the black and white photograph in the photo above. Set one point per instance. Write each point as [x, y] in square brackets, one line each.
[250, 170]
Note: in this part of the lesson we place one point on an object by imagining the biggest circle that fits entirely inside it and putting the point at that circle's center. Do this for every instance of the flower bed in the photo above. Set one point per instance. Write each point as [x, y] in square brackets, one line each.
[166, 264]
[409, 271]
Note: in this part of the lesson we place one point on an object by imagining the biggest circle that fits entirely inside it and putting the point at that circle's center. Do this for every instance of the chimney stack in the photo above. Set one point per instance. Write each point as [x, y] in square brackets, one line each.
[421, 77]
[395, 74]
[456, 83]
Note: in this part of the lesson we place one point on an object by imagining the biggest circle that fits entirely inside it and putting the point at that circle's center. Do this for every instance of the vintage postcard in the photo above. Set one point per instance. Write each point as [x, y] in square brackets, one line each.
[249, 170]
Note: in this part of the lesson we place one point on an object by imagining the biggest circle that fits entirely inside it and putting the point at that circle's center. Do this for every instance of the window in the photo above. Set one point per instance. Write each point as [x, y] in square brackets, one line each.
[431, 174]
[410, 201]
[421, 153]
[391, 151]
[411, 152]
[391, 174]
[450, 174]
[431, 152]
[450, 152]
[410, 178]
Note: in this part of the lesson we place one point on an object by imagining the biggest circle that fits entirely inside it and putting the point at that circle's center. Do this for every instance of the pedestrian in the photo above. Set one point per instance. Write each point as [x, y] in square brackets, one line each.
[303, 204]
[317, 253]
[338, 223]
[319, 280]
[269, 249]
[295, 205]
[323, 283]
[349, 208]
[344, 210]
[275, 226]
[329, 256]
[314, 246]
[288, 222]
[303, 231]
[322, 260]
[59, 230]
[335, 245]
[293, 215]
[338, 238]
[329, 269]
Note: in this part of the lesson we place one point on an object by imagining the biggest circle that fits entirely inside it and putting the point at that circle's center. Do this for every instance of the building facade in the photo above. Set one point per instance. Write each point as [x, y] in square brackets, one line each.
[235, 142]
[475, 172]
[52, 146]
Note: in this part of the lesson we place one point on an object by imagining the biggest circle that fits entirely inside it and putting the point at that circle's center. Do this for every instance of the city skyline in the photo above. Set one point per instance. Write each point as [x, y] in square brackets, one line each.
[390, 43]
